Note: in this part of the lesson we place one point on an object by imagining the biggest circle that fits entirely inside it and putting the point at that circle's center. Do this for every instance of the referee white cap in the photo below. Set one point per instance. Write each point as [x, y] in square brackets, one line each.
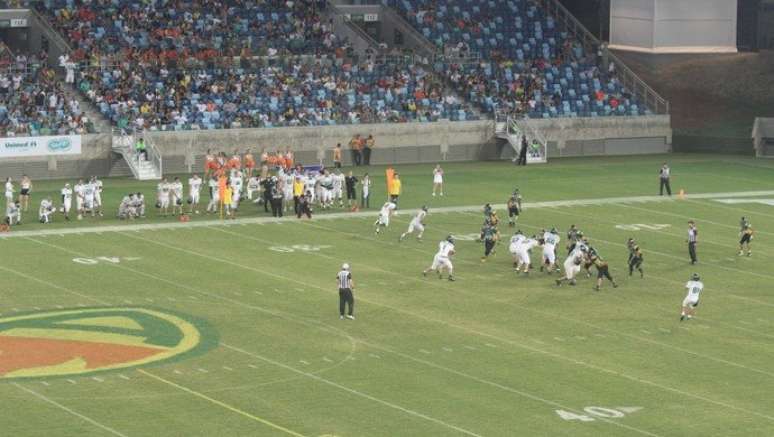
[345, 266]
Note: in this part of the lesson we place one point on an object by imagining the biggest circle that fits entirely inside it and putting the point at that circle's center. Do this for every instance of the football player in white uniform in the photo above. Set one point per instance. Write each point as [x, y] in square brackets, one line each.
[338, 187]
[326, 187]
[691, 301]
[388, 209]
[176, 192]
[194, 193]
[417, 224]
[13, 213]
[236, 183]
[78, 189]
[162, 196]
[97, 195]
[88, 197]
[550, 241]
[442, 259]
[253, 186]
[45, 210]
[8, 192]
[438, 180]
[516, 240]
[572, 266]
[524, 263]
[67, 200]
[212, 206]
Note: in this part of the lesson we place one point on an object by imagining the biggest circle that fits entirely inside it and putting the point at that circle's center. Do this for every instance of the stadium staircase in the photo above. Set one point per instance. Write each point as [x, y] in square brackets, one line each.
[512, 129]
[123, 144]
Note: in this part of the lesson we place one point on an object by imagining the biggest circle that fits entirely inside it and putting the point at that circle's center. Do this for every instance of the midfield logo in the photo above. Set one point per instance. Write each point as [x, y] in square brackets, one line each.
[89, 340]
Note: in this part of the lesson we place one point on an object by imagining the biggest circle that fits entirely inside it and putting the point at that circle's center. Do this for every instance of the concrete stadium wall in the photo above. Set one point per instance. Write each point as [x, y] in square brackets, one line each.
[184, 151]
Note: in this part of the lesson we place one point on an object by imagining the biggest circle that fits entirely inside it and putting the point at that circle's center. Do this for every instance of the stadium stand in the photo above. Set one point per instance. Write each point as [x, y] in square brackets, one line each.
[529, 66]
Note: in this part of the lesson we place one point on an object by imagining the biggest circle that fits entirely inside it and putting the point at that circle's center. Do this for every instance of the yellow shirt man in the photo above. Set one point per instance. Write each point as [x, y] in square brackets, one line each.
[298, 187]
[395, 189]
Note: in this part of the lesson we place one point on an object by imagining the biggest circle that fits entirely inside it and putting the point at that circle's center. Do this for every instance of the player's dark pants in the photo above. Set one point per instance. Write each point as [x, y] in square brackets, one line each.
[351, 194]
[296, 203]
[394, 199]
[356, 157]
[604, 272]
[664, 184]
[634, 263]
[692, 252]
[276, 207]
[346, 298]
[489, 246]
[367, 156]
[303, 209]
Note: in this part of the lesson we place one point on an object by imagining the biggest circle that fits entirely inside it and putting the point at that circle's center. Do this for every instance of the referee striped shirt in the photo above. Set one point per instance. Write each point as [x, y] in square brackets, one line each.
[692, 234]
[345, 278]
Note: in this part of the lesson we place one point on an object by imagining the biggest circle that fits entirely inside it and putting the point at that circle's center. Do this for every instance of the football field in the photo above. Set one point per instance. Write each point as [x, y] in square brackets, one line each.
[213, 328]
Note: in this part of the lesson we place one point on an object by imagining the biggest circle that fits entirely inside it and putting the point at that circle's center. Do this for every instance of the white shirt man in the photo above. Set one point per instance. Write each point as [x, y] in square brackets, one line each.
[388, 209]
[88, 197]
[78, 190]
[417, 224]
[163, 190]
[550, 240]
[691, 301]
[67, 200]
[326, 186]
[194, 192]
[97, 192]
[125, 208]
[338, 187]
[8, 191]
[236, 188]
[176, 193]
[253, 185]
[45, 210]
[215, 195]
[515, 242]
[442, 259]
[139, 204]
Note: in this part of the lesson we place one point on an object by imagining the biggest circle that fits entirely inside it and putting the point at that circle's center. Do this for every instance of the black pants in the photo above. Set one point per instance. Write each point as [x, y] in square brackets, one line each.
[266, 201]
[303, 209]
[356, 157]
[522, 156]
[664, 184]
[692, 252]
[394, 199]
[488, 247]
[296, 203]
[367, 156]
[346, 298]
[276, 207]
[634, 263]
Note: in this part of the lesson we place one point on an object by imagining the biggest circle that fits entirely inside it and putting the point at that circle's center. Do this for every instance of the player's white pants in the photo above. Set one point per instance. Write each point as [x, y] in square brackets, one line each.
[415, 226]
[97, 200]
[79, 204]
[44, 216]
[327, 196]
[195, 197]
[250, 192]
[523, 257]
[235, 197]
[14, 218]
[338, 193]
[442, 262]
[67, 205]
[689, 302]
[549, 255]
[384, 219]
[164, 201]
[88, 203]
[213, 205]
[570, 268]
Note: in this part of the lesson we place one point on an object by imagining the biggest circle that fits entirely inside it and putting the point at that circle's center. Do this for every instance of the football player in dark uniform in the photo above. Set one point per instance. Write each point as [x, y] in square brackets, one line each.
[514, 207]
[746, 233]
[635, 257]
[603, 271]
[489, 236]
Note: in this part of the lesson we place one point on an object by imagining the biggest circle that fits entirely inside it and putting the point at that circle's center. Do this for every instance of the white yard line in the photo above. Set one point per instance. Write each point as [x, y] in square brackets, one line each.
[371, 213]
[69, 410]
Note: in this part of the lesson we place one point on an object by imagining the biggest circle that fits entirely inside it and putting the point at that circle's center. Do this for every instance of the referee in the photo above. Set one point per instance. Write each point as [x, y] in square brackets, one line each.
[663, 176]
[693, 235]
[346, 286]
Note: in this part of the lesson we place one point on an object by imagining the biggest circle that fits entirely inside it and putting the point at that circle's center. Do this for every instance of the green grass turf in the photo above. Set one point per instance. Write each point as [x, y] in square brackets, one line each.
[492, 354]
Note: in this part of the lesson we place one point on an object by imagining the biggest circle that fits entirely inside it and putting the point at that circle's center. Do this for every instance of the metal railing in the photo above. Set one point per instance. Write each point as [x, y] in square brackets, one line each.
[591, 44]
[123, 142]
[154, 156]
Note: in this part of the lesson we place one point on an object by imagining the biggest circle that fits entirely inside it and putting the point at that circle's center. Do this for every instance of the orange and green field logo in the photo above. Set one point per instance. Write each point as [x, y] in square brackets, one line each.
[88, 340]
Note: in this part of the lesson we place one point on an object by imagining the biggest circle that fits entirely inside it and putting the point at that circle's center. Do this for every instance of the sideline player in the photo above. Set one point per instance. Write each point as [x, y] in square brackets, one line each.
[635, 257]
[13, 213]
[97, 195]
[176, 188]
[550, 241]
[45, 210]
[438, 180]
[88, 197]
[691, 301]
[194, 192]
[346, 287]
[514, 207]
[442, 259]
[417, 224]
[746, 234]
[162, 196]
[67, 200]
[214, 188]
[388, 209]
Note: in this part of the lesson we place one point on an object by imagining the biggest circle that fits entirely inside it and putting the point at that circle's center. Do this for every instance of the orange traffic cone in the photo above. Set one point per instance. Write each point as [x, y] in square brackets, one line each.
[681, 194]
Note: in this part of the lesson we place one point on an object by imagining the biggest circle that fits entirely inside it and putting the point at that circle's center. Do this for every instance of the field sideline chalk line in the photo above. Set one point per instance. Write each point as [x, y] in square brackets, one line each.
[339, 215]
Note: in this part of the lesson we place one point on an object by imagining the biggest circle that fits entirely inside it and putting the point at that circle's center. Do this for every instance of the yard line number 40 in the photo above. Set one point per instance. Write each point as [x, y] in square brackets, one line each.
[597, 412]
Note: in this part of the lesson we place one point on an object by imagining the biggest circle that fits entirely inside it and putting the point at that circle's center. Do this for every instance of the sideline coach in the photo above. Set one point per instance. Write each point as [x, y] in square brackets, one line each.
[663, 176]
[346, 286]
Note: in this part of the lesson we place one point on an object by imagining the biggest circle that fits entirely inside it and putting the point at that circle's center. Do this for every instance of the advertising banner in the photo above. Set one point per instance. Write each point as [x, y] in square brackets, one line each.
[40, 146]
